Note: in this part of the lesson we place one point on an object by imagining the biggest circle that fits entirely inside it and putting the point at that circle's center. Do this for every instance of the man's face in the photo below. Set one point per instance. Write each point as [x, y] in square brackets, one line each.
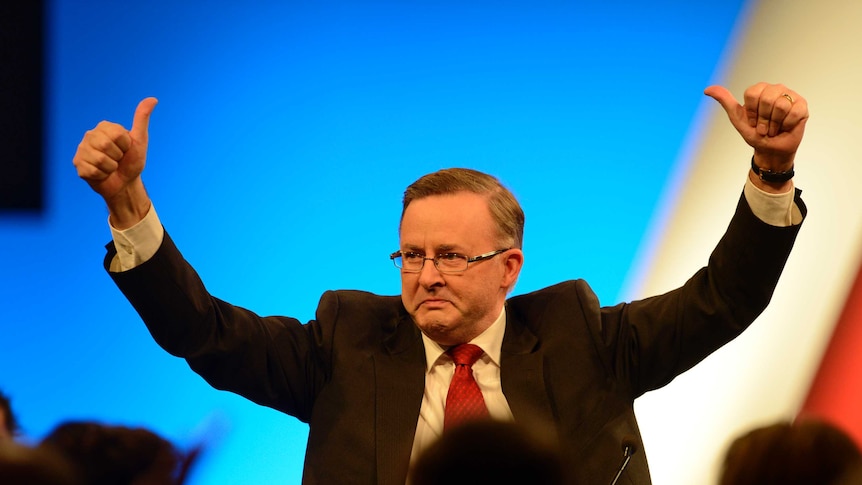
[454, 308]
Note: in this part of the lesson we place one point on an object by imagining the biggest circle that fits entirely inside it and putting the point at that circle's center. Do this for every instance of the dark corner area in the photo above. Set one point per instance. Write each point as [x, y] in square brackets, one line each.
[21, 105]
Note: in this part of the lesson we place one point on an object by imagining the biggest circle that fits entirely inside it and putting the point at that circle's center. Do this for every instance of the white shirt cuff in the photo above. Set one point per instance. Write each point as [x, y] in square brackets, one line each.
[138, 243]
[773, 209]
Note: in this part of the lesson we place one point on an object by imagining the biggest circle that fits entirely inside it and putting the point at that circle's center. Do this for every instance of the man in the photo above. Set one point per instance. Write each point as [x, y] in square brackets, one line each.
[489, 452]
[371, 373]
[805, 451]
[104, 454]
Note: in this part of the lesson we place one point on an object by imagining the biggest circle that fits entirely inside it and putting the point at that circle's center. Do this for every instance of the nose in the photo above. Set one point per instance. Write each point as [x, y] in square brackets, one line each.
[429, 276]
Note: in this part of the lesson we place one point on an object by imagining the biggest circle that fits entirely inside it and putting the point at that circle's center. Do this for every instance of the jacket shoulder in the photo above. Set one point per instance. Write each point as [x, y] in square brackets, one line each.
[567, 291]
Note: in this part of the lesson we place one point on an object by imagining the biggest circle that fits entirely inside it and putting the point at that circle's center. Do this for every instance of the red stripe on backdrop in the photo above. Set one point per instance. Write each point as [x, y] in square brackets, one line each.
[836, 393]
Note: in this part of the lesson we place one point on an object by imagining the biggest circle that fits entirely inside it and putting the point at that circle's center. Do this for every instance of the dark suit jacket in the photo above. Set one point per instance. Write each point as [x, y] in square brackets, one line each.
[355, 374]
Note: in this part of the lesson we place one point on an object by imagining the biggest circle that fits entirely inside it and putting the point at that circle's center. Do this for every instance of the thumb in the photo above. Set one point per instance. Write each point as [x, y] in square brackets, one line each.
[723, 96]
[141, 122]
[735, 111]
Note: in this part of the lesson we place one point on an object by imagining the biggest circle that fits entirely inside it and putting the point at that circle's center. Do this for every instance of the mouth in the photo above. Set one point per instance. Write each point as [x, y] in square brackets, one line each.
[433, 304]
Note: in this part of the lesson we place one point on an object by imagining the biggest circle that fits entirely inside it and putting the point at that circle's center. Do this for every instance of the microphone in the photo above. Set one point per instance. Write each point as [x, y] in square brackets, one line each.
[629, 447]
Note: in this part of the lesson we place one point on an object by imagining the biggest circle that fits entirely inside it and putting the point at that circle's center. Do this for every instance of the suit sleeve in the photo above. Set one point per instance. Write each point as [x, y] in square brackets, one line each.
[651, 341]
[274, 361]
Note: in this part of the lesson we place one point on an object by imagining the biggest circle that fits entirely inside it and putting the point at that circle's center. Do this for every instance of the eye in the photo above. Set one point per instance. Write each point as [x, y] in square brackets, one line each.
[411, 256]
[450, 257]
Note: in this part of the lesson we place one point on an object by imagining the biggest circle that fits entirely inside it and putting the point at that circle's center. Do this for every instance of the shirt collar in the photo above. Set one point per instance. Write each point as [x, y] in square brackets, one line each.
[490, 341]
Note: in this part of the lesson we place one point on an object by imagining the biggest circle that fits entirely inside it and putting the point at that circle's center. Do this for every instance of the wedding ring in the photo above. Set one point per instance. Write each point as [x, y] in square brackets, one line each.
[789, 98]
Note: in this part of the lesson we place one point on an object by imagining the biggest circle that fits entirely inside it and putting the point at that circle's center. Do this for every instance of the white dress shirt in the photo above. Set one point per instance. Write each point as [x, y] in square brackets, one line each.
[439, 369]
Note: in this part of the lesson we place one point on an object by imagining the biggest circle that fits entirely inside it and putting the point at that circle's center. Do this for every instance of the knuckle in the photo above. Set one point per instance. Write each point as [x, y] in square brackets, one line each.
[103, 144]
[88, 172]
[105, 163]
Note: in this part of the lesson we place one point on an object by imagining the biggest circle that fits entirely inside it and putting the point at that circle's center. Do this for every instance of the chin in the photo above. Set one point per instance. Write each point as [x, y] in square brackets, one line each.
[437, 331]
[444, 334]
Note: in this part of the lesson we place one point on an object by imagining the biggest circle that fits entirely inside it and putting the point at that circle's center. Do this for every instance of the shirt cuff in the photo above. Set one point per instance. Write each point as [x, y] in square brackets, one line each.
[774, 209]
[138, 243]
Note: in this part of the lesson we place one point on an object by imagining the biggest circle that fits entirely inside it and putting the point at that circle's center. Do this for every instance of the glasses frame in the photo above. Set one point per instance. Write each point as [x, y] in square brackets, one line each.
[436, 258]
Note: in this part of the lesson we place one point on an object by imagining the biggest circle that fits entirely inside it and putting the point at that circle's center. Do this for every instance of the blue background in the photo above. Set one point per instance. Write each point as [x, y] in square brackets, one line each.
[285, 135]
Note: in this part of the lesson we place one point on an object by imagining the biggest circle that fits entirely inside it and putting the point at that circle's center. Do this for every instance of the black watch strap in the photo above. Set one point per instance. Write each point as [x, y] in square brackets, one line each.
[769, 175]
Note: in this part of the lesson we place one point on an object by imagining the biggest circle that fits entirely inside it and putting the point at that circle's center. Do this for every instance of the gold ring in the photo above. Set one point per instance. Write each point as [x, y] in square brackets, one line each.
[789, 98]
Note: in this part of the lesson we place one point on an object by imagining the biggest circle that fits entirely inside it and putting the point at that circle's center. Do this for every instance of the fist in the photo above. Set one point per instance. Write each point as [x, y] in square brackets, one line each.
[110, 158]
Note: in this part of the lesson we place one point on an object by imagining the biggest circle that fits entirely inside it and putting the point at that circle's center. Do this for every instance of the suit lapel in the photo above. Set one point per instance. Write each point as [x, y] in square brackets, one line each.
[399, 369]
[522, 374]
[400, 382]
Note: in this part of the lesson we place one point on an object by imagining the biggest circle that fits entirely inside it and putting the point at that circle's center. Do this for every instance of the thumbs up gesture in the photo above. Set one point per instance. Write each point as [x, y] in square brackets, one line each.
[111, 159]
[771, 119]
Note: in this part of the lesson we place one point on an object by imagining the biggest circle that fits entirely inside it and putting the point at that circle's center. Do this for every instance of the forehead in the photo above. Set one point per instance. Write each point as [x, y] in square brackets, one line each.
[452, 220]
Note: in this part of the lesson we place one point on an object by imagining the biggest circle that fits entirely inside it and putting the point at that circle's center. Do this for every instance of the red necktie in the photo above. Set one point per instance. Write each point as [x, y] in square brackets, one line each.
[464, 401]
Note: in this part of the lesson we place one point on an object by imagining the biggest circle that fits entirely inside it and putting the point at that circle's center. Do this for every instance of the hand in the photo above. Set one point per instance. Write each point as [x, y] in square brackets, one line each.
[111, 159]
[772, 121]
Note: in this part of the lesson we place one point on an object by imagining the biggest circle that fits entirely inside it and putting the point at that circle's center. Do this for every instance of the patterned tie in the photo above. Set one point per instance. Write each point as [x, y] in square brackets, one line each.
[464, 401]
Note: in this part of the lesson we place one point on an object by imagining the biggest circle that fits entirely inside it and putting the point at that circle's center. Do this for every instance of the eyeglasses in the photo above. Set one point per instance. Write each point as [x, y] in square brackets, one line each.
[446, 263]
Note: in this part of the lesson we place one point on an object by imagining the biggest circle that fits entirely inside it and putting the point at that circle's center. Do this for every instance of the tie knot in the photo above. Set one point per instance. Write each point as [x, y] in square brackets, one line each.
[465, 354]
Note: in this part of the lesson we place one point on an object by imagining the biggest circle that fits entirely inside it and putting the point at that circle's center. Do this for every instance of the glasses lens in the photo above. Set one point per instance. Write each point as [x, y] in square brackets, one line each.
[451, 262]
[410, 261]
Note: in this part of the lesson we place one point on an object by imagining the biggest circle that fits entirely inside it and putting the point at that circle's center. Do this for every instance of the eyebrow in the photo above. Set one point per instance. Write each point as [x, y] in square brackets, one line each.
[441, 249]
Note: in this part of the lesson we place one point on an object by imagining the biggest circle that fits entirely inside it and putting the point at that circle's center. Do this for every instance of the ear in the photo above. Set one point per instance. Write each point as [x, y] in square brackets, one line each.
[514, 260]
